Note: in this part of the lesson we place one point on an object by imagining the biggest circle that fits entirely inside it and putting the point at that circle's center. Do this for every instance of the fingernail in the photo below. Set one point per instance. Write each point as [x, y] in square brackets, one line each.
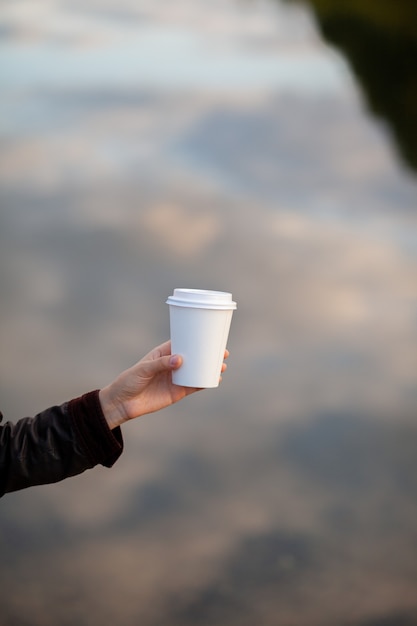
[175, 360]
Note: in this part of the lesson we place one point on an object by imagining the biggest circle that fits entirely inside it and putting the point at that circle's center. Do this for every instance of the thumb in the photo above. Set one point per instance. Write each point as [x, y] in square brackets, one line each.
[162, 364]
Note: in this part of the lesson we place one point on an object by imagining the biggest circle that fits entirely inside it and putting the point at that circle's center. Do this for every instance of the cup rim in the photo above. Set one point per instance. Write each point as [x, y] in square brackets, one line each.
[201, 299]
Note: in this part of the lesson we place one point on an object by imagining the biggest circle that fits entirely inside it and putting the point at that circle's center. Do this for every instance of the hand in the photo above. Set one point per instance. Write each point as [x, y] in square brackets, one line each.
[144, 388]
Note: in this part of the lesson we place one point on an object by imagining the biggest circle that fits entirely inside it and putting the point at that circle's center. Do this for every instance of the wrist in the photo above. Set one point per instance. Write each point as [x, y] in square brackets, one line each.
[113, 412]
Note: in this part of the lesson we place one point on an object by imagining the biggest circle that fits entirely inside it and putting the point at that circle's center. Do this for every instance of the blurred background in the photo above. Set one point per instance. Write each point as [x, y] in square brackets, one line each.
[262, 147]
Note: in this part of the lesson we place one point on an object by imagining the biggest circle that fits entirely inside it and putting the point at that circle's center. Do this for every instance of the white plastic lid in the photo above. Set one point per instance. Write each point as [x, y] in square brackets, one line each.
[202, 299]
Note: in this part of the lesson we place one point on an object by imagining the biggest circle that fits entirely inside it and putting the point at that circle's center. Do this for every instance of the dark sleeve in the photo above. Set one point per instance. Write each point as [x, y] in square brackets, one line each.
[59, 442]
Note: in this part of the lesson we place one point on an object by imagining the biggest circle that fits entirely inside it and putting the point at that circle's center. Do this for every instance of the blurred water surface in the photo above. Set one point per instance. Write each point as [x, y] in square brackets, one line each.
[225, 145]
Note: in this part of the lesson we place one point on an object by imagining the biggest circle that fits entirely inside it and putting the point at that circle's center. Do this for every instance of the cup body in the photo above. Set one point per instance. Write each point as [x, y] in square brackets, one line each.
[199, 325]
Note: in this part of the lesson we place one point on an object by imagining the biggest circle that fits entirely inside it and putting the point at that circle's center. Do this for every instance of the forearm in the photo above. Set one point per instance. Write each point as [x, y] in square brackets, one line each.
[60, 442]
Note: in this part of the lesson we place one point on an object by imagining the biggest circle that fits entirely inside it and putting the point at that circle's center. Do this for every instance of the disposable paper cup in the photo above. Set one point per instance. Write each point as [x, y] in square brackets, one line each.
[200, 323]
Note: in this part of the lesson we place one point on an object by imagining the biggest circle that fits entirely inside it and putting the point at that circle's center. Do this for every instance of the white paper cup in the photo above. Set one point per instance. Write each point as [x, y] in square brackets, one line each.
[200, 323]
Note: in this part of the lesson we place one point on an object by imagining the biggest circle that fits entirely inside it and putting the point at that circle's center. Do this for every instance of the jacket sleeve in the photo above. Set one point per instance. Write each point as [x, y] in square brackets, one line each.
[59, 442]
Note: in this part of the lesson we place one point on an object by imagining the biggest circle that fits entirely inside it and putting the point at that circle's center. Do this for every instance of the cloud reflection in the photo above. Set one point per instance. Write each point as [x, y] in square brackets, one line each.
[288, 494]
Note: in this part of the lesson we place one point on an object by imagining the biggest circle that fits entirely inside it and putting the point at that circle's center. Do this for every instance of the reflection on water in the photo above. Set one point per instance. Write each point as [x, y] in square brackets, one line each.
[380, 41]
[288, 495]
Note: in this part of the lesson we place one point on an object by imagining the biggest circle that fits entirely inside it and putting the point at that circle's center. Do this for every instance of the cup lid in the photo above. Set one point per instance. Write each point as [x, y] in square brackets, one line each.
[202, 299]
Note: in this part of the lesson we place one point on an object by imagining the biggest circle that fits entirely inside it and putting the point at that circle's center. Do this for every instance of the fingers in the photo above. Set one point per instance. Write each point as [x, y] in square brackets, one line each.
[175, 361]
[163, 349]
[160, 359]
